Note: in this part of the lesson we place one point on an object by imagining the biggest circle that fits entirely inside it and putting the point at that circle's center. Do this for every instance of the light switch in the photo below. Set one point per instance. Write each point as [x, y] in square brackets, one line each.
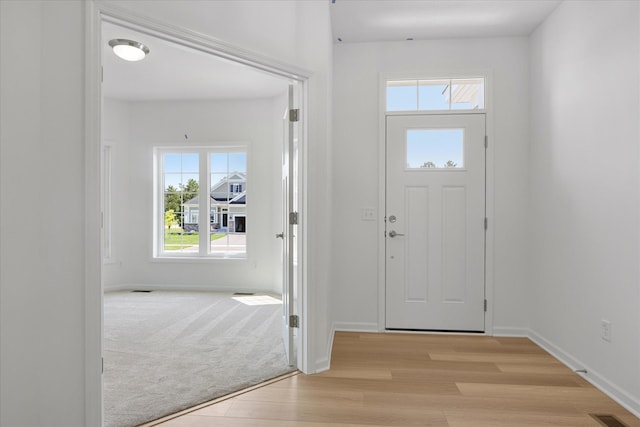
[368, 214]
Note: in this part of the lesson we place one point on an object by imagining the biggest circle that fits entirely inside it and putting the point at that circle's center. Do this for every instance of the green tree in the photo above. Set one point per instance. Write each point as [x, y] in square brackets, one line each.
[170, 219]
[428, 165]
[172, 199]
[190, 190]
[450, 164]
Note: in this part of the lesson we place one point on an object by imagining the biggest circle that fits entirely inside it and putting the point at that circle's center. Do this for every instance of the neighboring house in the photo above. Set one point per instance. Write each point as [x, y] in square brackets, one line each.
[228, 212]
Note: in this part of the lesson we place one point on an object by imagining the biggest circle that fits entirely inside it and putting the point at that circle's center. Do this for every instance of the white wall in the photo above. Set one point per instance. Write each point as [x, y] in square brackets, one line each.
[41, 214]
[116, 124]
[207, 123]
[585, 192]
[357, 67]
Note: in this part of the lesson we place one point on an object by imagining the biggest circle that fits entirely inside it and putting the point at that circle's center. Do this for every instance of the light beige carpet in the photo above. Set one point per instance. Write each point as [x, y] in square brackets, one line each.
[168, 351]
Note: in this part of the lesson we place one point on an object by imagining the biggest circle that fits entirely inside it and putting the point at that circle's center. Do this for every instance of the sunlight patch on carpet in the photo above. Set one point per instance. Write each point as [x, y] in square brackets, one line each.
[257, 300]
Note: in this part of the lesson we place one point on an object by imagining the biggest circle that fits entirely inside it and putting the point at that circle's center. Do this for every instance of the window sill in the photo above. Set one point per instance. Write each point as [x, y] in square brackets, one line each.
[197, 260]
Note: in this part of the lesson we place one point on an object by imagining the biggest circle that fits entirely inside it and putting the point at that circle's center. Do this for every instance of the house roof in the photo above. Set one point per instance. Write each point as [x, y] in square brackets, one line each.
[222, 197]
[195, 201]
[240, 199]
[233, 177]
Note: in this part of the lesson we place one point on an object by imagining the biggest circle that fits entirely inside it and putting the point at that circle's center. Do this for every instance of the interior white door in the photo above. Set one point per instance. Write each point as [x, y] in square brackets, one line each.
[289, 244]
[435, 222]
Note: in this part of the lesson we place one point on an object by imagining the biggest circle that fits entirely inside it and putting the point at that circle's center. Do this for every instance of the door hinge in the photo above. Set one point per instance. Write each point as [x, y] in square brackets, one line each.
[294, 115]
[294, 321]
[486, 223]
[485, 306]
[293, 218]
[486, 141]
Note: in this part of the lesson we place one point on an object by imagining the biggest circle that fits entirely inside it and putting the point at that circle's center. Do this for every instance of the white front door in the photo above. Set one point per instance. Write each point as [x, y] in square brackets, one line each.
[435, 222]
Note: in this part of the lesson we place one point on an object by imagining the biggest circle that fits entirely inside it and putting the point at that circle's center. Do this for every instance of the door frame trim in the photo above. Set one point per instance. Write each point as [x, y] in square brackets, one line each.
[96, 12]
[489, 178]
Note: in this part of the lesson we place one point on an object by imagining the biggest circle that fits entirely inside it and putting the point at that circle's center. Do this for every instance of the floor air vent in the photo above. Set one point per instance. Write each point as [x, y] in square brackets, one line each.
[141, 290]
[244, 293]
[608, 420]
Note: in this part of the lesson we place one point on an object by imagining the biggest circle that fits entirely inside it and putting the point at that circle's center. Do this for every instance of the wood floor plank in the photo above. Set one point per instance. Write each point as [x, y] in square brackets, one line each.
[291, 411]
[497, 377]
[540, 393]
[399, 379]
[488, 357]
[480, 418]
[513, 406]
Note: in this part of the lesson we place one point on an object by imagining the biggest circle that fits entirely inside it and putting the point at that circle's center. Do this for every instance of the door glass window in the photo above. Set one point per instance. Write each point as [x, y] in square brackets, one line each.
[435, 149]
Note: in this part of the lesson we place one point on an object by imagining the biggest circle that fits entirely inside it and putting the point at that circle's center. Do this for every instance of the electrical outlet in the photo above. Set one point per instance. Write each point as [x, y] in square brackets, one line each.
[368, 214]
[606, 330]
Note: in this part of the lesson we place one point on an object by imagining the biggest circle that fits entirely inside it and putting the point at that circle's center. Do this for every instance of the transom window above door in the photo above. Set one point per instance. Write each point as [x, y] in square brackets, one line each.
[435, 95]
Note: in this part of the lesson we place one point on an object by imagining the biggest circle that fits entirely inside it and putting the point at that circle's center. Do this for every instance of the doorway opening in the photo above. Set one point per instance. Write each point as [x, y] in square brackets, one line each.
[434, 153]
[173, 101]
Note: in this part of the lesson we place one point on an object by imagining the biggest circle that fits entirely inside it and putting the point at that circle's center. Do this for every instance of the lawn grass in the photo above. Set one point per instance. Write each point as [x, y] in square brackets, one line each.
[175, 239]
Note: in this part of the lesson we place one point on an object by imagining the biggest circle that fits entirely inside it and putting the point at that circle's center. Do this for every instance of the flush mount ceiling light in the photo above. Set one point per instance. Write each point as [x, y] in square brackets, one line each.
[129, 50]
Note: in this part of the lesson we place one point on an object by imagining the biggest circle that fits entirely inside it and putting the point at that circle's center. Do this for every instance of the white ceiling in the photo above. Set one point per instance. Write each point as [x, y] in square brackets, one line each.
[396, 20]
[174, 72]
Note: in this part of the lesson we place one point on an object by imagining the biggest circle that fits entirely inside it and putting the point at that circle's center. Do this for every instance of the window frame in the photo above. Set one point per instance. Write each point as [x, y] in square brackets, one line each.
[416, 82]
[205, 205]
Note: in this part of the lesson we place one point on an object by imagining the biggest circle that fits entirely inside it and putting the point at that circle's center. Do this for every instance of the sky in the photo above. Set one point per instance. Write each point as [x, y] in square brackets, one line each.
[435, 145]
[180, 167]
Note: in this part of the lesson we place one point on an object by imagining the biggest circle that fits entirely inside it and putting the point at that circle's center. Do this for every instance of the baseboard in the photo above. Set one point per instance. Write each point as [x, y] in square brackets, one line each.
[324, 363]
[187, 288]
[355, 327]
[510, 332]
[116, 288]
[600, 382]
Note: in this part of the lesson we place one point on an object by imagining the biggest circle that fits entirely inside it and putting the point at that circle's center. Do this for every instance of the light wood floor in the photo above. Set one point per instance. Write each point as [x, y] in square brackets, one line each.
[421, 380]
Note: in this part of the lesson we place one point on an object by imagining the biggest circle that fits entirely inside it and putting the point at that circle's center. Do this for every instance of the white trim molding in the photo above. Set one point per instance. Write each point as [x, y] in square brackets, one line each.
[629, 402]
[500, 331]
[355, 327]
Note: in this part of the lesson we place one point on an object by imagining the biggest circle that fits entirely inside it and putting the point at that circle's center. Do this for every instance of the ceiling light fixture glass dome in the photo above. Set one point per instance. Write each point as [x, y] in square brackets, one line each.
[129, 50]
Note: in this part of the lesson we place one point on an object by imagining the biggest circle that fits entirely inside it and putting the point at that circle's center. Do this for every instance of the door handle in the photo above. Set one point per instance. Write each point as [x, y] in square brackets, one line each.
[393, 234]
[280, 236]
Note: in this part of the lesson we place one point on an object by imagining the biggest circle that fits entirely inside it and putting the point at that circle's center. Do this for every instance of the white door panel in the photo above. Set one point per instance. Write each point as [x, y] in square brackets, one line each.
[435, 222]
[289, 239]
